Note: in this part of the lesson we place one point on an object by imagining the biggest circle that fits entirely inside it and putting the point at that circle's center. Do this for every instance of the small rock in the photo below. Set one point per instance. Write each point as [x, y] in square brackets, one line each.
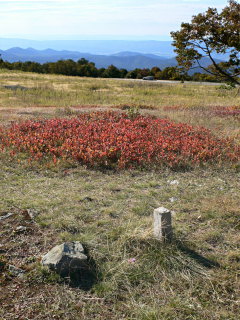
[21, 229]
[66, 259]
[17, 272]
[8, 215]
[173, 182]
[173, 199]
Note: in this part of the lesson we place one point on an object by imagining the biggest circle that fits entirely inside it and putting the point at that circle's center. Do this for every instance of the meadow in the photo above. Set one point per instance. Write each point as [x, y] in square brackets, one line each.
[109, 208]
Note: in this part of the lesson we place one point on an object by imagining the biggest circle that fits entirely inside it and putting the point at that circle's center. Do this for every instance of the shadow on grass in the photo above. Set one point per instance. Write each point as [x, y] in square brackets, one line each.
[196, 256]
[85, 278]
[171, 256]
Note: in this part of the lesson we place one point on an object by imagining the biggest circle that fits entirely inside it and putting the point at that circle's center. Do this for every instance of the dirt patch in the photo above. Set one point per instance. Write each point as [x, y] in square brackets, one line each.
[15, 87]
[22, 241]
[43, 106]
[120, 107]
[7, 110]
[22, 245]
[130, 106]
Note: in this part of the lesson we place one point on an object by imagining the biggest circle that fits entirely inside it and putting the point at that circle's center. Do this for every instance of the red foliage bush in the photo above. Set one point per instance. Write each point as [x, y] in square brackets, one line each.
[114, 140]
[227, 112]
[174, 108]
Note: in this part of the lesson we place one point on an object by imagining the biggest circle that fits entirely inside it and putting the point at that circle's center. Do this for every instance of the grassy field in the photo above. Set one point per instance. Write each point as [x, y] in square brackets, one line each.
[193, 278]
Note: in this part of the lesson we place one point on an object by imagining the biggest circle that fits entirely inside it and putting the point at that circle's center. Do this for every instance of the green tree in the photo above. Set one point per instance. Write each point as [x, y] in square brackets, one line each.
[209, 33]
[123, 73]
[82, 61]
[155, 70]
[112, 72]
[132, 74]
[170, 73]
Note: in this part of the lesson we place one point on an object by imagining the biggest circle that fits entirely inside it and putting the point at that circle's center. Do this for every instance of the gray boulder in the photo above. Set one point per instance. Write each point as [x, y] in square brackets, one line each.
[67, 259]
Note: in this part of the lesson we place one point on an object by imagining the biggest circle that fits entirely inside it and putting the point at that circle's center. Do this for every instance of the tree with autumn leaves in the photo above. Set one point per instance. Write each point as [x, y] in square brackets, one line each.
[210, 33]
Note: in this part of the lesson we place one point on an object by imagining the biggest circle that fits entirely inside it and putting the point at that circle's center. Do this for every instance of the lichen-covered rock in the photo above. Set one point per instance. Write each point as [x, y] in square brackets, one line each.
[66, 259]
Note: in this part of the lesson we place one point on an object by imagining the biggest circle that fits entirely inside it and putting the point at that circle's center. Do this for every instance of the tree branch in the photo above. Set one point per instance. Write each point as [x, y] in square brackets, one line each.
[225, 74]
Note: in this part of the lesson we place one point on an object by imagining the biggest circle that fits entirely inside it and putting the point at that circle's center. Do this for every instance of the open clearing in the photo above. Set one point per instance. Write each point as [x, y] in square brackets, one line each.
[111, 212]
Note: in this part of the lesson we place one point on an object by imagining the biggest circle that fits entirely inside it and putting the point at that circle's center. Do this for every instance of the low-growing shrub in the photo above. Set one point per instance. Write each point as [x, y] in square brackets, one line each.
[111, 139]
[227, 111]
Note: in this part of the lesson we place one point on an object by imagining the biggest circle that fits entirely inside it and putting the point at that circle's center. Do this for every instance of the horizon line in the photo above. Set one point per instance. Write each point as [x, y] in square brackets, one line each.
[87, 38]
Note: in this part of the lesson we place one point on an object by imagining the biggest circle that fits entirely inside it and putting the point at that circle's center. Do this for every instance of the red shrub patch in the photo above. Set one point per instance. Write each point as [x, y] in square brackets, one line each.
[174, 108]
[114, 140]
[227, 112]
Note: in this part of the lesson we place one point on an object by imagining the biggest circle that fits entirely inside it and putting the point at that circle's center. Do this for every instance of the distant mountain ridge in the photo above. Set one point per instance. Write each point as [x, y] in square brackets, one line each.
[127, 59]
[99, 47]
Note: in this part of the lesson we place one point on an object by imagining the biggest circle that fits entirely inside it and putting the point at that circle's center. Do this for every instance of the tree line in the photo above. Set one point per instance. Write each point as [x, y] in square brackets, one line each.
[84, 68]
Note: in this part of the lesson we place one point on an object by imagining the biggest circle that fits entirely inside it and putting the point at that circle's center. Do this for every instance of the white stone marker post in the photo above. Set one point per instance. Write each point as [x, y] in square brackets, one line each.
[162, 224]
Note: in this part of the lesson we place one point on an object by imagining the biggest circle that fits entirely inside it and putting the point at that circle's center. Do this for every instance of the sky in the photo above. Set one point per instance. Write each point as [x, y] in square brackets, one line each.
[98, 19]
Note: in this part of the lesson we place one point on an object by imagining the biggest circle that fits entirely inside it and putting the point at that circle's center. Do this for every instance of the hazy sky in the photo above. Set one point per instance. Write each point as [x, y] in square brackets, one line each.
[113, 19]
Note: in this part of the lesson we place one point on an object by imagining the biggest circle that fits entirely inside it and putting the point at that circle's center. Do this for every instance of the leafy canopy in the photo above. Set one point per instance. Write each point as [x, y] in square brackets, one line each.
[209, 33]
